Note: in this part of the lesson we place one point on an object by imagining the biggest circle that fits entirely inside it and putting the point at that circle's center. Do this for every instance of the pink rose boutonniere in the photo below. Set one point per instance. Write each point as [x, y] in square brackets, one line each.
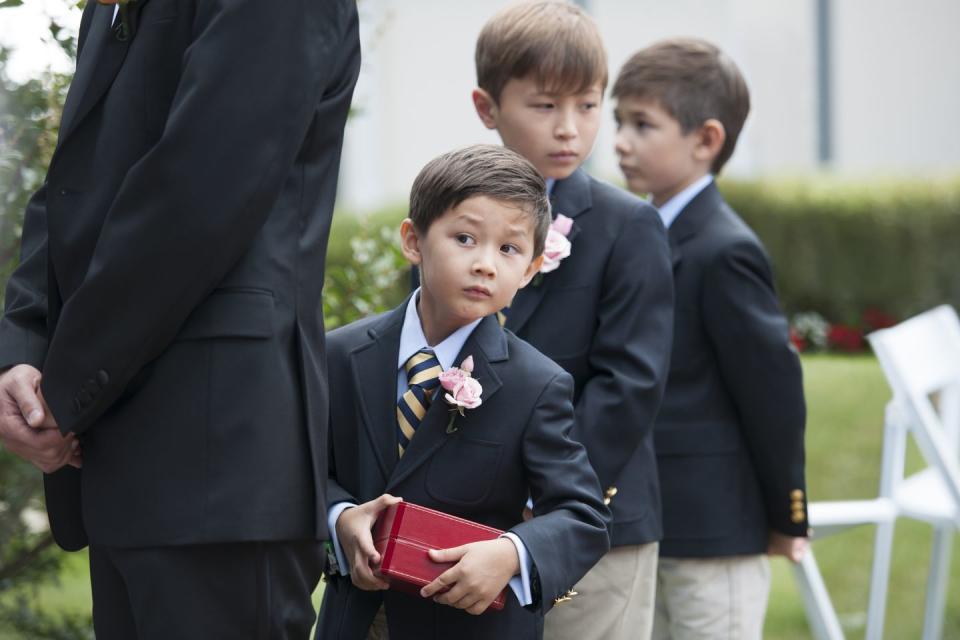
[557, 246]
[462, 389]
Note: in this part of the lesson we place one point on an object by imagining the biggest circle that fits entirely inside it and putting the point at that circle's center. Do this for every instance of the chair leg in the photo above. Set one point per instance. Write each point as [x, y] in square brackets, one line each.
[879, 577]
[937, 582]
[816, 600]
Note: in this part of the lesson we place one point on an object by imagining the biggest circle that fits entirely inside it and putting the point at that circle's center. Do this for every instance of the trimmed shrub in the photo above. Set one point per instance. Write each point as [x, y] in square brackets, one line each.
[842, 249]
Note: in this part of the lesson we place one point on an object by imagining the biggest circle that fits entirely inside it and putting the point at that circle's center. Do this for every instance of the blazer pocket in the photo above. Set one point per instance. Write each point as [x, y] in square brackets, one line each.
[462, 472]
[231, 313]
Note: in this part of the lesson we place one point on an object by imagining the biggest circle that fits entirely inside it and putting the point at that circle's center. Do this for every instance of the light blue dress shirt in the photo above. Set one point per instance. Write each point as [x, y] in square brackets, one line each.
[412, 340]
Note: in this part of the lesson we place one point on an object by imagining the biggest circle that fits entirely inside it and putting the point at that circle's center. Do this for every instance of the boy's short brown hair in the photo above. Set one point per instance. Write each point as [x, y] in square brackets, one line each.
[554, 41]
[694, 81]
[481, 170]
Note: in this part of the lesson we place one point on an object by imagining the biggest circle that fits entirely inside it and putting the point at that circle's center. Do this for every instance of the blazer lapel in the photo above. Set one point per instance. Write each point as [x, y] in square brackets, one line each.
[689, 222]
[570, 197]
[97, 66]
[373, 366]
[486, 344]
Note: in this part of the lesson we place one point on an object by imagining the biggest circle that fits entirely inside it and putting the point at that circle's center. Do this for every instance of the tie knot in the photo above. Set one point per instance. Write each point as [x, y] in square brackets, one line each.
[423, 369]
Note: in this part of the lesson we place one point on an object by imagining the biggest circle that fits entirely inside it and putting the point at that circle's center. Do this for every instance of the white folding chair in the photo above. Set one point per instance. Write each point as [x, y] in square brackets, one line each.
[921, 361]
[920, 358]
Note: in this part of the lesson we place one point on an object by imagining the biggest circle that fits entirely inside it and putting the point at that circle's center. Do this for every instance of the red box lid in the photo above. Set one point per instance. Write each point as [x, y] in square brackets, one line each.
[404, 533]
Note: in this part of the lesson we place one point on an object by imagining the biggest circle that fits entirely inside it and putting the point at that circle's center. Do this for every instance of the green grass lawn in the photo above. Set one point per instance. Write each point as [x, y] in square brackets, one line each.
[845, 399]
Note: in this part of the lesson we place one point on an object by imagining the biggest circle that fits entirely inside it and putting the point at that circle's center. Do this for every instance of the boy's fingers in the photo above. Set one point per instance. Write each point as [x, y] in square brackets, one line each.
[452, 554]
[441, 583]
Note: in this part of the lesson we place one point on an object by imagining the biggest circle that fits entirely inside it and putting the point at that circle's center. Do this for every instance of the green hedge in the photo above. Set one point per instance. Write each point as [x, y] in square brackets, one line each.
[840, 248]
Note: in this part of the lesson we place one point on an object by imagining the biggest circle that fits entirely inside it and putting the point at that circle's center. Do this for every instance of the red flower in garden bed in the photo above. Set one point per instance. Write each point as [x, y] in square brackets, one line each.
[798, 341]
[873, 319]
[843, 337]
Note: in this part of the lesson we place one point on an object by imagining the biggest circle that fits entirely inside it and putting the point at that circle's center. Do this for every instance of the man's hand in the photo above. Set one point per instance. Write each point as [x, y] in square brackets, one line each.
[483, 569]
[354, 534]
[27, 428]
[779, 544]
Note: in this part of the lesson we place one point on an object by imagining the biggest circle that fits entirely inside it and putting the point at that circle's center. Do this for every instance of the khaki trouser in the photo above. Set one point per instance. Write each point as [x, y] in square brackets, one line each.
[614, 600]
[711, 598]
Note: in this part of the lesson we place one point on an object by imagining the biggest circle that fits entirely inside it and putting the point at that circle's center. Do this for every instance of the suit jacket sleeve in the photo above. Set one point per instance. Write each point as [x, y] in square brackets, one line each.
[762, 373]
[190, 208]
[23, 329]
[568, 534]
[630, 354]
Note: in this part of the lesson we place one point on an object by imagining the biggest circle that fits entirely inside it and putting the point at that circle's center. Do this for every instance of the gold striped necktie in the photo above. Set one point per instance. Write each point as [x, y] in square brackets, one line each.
[423, 377]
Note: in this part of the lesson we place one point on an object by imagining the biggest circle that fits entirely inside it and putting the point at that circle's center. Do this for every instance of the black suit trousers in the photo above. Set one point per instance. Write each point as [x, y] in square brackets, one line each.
[249, 590]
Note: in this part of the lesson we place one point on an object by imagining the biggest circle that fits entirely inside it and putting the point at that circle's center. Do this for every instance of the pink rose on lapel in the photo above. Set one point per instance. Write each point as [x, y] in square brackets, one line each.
[557, 247]
[463, 390]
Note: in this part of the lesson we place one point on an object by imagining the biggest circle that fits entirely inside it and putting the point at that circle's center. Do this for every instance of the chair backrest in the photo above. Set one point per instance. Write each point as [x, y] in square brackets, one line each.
[920, 358]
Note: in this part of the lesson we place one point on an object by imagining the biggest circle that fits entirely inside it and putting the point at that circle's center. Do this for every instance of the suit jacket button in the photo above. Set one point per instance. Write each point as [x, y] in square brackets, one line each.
[103, 377]
[91, 387]
[84, 398]
[797, 506]
[796, 494]
[76, 405]
[797, 517]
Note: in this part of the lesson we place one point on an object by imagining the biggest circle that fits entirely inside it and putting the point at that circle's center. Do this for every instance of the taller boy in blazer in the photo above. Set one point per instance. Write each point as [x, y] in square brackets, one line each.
[168, 305]
[729, 437]
[478, 221]
[605, 312]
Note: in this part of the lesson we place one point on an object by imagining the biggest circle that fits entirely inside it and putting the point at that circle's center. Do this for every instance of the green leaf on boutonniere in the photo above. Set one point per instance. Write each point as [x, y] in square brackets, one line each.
[451, 427]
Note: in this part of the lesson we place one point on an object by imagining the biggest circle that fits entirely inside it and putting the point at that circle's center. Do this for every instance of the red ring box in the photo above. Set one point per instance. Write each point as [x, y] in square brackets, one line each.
[404, 533]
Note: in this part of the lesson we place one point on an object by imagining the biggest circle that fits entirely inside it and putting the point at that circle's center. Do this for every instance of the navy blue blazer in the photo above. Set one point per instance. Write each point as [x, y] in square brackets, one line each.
[729, 438]
[606, 316]
[517, 441]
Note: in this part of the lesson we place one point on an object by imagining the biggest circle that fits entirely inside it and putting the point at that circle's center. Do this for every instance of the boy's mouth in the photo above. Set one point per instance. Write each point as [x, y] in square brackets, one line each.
[477, 292]
[564, 156]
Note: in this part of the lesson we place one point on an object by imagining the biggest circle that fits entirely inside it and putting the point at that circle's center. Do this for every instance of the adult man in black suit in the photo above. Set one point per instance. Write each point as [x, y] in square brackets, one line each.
[169, 292]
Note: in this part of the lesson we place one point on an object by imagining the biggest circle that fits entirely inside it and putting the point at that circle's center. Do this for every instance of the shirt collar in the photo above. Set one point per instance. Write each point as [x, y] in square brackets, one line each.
[550, 183]
[412, 338]
[672, 207]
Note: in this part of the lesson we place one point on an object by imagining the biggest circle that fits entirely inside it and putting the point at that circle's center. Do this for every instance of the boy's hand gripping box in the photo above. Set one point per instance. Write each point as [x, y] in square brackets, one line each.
[404, 533]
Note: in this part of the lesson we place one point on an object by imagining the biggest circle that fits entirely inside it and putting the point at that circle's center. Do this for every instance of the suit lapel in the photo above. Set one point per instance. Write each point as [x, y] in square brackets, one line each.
[570, 197]
[691, 219]
[373, 366]
[97, 66]
[486, 344]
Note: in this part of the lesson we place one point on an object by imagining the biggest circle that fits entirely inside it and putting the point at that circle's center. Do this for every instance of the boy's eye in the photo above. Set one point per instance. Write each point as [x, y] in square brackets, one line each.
[640, 124]
[543, 105]
[588, 106]
[464, 238]
[510, 249]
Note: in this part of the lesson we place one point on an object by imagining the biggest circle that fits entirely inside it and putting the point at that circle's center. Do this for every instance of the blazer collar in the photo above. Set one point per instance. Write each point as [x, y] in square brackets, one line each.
[571, 196]
[695, 214]
[487, 344]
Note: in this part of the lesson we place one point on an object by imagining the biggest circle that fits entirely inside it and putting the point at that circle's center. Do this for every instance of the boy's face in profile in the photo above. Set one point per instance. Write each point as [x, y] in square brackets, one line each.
[555, 132]
[472, 260]
[656, 157]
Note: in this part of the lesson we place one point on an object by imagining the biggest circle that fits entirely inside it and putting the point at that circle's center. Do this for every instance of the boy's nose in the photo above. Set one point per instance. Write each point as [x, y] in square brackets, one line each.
[566, 127]
[620, 144]
[483, 265]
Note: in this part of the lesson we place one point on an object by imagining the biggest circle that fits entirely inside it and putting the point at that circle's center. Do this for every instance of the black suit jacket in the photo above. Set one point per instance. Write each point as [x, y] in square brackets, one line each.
[605, 315]
[517, 441]
[729, 438]
[172, 267]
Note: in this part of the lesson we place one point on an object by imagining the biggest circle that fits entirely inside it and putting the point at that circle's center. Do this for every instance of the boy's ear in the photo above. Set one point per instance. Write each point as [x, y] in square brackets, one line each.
[532, 270]
[410, 242]
[486, 108]
[712, 136]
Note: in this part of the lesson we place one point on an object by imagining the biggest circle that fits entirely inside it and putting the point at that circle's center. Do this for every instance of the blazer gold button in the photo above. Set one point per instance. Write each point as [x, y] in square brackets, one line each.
[797, 517]
[797, 506]
[796, 494]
